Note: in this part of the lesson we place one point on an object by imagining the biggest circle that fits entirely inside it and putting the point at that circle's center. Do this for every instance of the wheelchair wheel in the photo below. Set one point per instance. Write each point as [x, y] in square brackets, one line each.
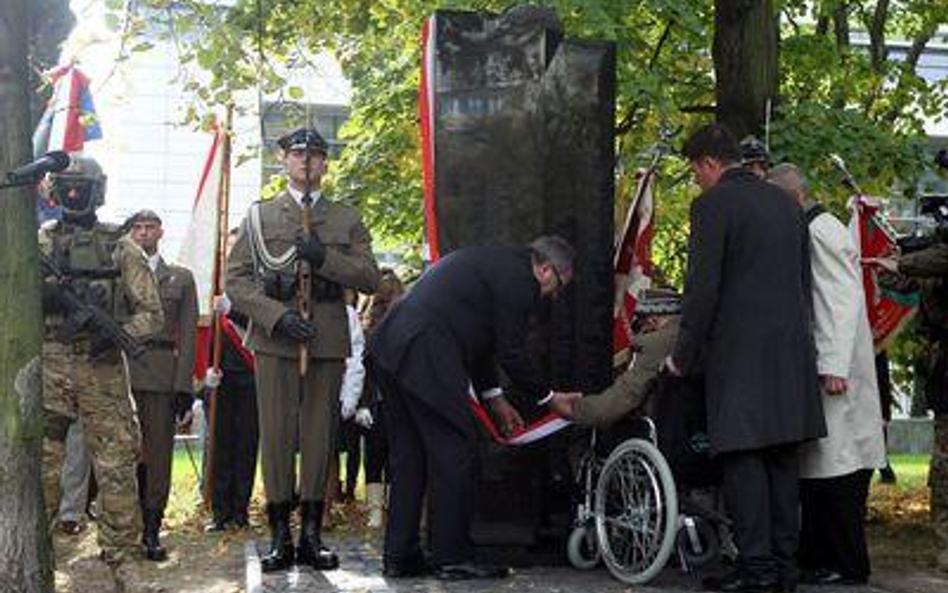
[697, 542]
[636, 510]
[582, 549]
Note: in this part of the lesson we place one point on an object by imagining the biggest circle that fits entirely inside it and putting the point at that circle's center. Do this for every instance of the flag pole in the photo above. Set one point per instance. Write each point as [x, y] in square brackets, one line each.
[217, 288]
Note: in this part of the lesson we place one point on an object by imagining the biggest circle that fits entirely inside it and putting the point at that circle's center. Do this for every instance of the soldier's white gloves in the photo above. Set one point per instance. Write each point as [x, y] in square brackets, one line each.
[212, 379]
[363, 417]
[348, 408]
[222, 304]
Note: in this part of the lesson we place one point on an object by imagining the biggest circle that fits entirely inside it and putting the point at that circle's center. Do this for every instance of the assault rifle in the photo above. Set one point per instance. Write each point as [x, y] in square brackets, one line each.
[83, 314]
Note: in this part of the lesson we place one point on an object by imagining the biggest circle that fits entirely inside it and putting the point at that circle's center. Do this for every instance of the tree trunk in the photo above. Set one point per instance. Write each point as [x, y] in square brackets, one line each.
[745, 63]
[25, 557]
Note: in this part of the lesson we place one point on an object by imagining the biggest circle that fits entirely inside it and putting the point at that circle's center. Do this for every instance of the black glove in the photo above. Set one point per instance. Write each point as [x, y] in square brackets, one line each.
[52, 304]
[295, 327]
[97, 296]
[101, 344]
[311, 249]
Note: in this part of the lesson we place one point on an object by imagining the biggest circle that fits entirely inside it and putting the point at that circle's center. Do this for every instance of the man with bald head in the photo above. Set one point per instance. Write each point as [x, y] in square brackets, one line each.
[835, 470]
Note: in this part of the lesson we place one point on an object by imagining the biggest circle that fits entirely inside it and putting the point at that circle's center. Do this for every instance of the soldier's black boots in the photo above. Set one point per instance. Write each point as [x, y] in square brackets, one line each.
[154, 551]
[310, 549]
[280, 556]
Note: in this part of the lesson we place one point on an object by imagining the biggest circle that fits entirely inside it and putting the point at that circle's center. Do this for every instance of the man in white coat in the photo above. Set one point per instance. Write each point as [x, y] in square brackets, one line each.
[835, 471]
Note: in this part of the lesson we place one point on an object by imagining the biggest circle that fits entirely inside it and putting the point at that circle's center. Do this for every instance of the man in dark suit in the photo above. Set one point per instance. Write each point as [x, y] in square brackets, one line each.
[437, 342]
[746, 324]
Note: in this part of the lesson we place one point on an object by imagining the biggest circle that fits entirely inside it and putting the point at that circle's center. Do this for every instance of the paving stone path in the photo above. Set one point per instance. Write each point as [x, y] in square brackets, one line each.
[360, 572]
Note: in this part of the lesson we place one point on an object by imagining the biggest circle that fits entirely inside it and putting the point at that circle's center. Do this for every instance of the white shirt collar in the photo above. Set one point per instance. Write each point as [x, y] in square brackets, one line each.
[153, 261]
[298, 195]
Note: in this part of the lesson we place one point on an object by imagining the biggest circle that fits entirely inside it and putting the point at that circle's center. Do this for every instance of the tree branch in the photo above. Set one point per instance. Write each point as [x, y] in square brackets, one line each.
[877, 49]
[627, 121]
[918, 45]
[841, 25]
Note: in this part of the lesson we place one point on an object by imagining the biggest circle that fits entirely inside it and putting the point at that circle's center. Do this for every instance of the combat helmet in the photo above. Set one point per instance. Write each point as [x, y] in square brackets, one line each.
[80, 188]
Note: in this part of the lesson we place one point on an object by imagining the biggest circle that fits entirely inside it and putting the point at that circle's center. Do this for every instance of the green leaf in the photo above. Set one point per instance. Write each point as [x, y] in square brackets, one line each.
[112, 21]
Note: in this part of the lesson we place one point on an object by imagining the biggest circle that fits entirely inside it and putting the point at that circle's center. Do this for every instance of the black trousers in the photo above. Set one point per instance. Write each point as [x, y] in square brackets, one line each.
[376, 447]
[236, 438]
[761, 490]
[833, 514]
[350, 442]
[429, 455]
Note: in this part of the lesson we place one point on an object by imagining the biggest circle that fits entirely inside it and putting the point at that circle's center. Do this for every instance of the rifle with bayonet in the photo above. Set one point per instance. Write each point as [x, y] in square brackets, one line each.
[304, 270]
[81, 312]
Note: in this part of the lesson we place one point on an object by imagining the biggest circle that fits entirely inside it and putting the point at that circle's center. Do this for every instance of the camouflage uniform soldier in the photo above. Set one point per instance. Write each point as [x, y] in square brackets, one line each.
[84, 375]
[930, 269]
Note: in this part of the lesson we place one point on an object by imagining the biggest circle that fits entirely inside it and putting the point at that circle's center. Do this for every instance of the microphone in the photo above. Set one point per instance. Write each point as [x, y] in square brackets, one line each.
[51, 162]
[941, 159]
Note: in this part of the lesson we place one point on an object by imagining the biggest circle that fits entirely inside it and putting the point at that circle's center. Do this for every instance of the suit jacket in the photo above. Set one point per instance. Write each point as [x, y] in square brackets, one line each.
[472, 306]
[349, 262]
[746, 315]
[844, 349]
[168, 364]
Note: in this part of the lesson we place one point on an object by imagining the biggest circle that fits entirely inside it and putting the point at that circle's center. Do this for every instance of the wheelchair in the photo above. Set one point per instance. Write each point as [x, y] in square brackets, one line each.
[632, 516]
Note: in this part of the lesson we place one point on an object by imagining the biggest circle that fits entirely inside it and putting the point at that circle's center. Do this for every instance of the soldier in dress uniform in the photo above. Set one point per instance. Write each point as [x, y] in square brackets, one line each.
[84, 373]
[263, 282]
[162, 379]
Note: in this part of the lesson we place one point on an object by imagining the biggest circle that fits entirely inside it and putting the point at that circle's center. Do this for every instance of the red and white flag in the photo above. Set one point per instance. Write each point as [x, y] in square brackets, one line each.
[633, 263]
[199, 247]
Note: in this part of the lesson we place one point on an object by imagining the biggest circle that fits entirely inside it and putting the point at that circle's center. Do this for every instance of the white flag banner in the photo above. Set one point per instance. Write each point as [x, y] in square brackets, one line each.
[198, 246]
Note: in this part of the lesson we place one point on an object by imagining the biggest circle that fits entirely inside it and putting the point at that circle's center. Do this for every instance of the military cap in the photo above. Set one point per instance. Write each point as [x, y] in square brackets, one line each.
[304, 139]
[143, 216]
[754, 151]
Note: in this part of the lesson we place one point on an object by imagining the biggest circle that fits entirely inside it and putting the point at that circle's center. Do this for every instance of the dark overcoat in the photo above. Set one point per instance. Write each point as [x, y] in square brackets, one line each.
[746, 315]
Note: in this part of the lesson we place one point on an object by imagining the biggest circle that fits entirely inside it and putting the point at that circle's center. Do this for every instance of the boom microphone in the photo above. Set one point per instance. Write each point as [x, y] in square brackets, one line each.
[51, 162]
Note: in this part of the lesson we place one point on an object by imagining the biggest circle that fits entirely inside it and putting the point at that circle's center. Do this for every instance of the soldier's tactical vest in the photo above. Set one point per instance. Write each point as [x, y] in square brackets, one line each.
[88, 256]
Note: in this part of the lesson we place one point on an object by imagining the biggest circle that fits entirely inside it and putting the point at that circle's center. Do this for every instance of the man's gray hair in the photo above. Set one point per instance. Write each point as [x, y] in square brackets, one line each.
[556, 251]
[789, 177]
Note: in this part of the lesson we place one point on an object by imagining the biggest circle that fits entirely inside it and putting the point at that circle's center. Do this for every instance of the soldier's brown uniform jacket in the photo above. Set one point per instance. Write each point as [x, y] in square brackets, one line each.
[349, 262]
[167, 366]
[287, 404]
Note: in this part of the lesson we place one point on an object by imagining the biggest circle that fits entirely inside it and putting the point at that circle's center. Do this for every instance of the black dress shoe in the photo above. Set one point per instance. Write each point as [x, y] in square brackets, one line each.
[740, 581]
[467, 570]
[826, 577]
[71, 527]
[241, 522]
[405, 569]
[151, 520]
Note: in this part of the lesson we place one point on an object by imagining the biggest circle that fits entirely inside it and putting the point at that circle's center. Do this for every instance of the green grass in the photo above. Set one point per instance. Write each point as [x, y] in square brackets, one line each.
[911, 470]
